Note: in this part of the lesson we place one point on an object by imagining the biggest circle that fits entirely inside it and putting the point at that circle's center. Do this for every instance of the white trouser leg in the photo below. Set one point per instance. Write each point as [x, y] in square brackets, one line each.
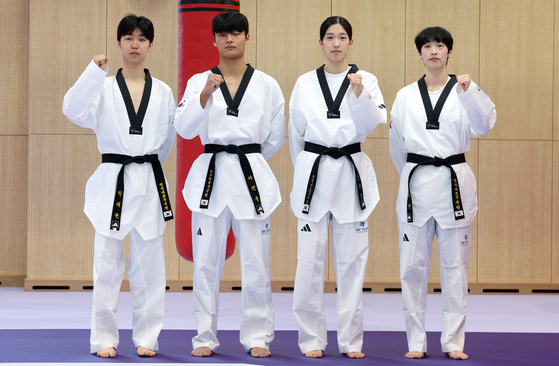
[454, 250]
[350, 251]
[257, 312]
[308, 294]
[146, 273]
[209, 244]
[108, 270]
[415, 252]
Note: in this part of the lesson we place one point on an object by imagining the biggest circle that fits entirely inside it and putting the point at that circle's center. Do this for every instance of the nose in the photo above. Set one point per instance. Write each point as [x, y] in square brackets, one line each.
[229, 37]
[135, 43]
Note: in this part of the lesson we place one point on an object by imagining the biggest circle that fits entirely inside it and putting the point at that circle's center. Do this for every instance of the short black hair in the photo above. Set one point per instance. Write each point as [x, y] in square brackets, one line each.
[433, 34]
[230, 22]
[335, 20]
[130, 22]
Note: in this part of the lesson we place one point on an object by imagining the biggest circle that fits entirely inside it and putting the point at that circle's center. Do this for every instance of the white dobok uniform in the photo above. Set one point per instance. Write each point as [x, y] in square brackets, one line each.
[95, 101]
[464, 113]
[335, 199]
[261, 120]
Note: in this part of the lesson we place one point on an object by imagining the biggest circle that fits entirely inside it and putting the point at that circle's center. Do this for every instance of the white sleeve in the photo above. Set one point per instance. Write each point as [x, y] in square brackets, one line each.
[396, 141]
[189, 115]
[297, 125]
[276, 138]
[82, 100]
[368, 110]
[479, 108]
[168, 144]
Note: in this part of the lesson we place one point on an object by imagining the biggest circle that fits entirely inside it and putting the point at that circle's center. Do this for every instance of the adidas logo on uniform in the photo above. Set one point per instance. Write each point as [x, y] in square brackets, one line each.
[199, 232]
[306, 228]
[405, 238]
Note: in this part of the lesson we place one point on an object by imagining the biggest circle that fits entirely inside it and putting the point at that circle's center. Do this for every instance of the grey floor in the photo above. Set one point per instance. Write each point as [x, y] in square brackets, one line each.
[382, 312]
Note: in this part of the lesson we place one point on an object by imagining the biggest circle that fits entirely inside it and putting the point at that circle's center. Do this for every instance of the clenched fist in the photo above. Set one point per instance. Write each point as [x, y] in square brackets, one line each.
[355, 82]
[464, 81]
[101, 61]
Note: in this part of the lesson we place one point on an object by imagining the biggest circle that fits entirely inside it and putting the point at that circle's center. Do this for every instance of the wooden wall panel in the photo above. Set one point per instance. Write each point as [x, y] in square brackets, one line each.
[555, 217]
[519, 82]
[460, 18]
[515, 238]
[378, 44]
[283, 242]
[60, 237]
[14, 27]
[514, 221]
[13, 203]
[555, 79]
[57, 57]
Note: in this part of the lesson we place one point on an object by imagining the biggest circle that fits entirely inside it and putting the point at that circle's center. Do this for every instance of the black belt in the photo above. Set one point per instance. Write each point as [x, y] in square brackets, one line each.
[241, 151]
[336, 153]
[436, 161]
[119, 195]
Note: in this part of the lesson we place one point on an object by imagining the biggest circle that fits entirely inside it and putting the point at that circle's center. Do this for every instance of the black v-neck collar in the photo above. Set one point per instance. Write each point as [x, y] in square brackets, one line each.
[233, 104]
[433, 114]
[136, 120]
[333, 105]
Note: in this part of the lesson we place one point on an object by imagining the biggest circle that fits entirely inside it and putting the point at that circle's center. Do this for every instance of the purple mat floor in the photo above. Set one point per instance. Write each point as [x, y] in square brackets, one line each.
[381, 348]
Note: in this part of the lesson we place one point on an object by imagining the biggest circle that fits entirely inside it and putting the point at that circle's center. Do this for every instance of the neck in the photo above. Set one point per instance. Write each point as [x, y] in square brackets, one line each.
[233, 68]
[133, 72]
[336, 67]
[435, 79]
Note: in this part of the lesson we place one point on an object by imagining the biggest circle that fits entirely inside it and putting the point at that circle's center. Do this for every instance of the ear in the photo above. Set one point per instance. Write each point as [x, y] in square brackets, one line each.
[150, 46]
[118, 44]
[449, 53]
[350, 42]
[247, 40]
[321, 43]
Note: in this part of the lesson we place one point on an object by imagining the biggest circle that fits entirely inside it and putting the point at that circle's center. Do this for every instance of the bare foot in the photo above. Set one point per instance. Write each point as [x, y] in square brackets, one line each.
[457, 355]
[415, 355]
[260, 352]
[354, 354]
[144, 352]
[202, 352]
[106, 353]
[315, 354]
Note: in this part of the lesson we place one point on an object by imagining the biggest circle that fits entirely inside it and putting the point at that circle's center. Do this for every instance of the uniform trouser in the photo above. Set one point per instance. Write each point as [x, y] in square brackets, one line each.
[146, 274]
[415, 252]
[350, 250]
[209, 238]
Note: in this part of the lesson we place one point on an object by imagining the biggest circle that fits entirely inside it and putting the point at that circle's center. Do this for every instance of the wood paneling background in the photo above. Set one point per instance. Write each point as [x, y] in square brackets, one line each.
[507, 47]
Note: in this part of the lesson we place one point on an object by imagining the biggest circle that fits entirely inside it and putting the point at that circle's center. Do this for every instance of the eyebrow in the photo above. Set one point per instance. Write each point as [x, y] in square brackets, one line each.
[332, 33]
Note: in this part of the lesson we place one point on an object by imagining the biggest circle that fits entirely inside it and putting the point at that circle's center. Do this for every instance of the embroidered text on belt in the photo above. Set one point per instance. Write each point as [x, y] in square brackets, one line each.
[335, 153]
[241, 151]
[119, 195]
[436, 161]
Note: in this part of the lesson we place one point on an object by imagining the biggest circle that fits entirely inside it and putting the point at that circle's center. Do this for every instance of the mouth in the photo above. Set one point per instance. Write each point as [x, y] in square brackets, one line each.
[434, 59]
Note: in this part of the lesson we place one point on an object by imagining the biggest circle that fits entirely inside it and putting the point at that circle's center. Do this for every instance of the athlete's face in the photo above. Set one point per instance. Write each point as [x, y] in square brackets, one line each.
[134, 46]
[434, 55]
[336, 43]
[231, 44]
